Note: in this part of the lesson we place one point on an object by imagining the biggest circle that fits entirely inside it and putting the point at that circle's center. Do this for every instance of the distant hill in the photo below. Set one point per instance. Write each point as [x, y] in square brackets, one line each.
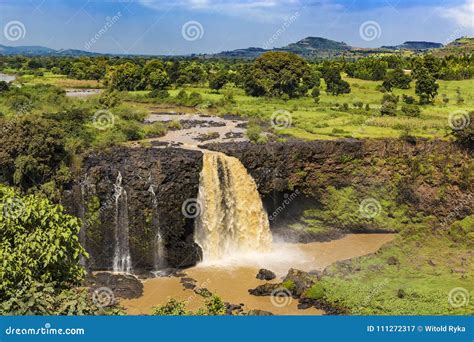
[314, 45]
[460, 46]
[309, 47]
[415, 45]
[42, 51]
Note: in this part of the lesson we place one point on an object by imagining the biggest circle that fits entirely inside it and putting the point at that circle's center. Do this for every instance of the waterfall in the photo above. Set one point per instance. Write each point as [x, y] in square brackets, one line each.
[158, 243]
[232, 218]
[122, 261]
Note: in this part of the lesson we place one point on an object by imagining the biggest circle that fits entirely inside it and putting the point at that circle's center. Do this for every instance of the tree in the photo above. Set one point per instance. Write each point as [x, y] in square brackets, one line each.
[218, 80]
[125, 77]
[277, 74]
[396, 79]
[155, 76]
[335, 85]
[389, 105]
[315, 93]
[38, 243]
[426, 87]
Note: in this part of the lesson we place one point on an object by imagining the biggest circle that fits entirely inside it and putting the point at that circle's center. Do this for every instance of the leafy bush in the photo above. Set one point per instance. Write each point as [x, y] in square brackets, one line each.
[172, 308]
[411, 110]
[38, 243]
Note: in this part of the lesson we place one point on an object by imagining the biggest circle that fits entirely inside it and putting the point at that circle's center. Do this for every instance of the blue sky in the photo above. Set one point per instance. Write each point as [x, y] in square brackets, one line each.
[204, 26]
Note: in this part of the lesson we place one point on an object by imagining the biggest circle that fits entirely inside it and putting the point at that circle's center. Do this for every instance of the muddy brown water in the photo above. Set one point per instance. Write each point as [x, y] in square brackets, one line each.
[232, 278]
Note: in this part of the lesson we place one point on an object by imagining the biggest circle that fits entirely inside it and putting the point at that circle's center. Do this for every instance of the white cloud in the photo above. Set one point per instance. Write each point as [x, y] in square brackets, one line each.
[463, 15]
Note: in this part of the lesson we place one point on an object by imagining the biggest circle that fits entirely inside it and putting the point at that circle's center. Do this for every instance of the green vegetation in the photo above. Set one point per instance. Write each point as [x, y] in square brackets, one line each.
[214, 306]
[415, 274]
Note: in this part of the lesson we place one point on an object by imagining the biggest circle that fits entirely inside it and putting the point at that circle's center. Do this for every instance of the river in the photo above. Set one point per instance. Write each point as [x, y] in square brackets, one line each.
[232, 278]
[7, 78]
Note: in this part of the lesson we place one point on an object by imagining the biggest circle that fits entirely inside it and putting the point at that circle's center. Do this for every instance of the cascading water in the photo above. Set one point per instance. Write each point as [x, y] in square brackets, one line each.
[122, 261]
[159, 247]
[232, 218]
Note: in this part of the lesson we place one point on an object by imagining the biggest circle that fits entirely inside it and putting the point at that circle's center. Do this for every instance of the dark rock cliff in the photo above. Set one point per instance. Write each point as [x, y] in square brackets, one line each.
[172, 174]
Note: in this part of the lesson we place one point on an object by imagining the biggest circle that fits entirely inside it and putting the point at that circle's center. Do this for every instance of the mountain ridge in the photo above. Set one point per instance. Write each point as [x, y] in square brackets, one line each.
[309, 47]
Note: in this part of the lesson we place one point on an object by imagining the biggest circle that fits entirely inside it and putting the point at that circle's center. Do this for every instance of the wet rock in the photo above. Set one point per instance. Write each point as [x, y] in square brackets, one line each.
[122, 285]
[203, 292]
[393, 261]
[264, 274]
[259, 313]
[300, 280]
[265, 289]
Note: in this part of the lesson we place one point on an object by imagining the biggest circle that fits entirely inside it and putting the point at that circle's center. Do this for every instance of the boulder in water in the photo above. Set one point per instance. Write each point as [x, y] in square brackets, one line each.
[300, 281]
[122, 285]
[265, 289]
[265, 274]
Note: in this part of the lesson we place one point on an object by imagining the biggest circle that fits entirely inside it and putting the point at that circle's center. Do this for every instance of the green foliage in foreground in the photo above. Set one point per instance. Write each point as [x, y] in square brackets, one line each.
[214, 306]
[414, 275]
[38, 243]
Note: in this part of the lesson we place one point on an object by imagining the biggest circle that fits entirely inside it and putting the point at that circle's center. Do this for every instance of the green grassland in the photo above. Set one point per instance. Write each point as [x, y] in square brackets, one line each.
[330, 120]
[414, 274]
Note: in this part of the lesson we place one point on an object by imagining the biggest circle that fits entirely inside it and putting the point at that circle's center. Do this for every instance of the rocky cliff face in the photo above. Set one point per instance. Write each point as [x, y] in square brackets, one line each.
[156, 183]
[431, 177]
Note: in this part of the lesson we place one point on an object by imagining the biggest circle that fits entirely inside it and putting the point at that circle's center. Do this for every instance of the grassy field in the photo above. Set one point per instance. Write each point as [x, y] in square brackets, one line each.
[330, 120]
[59, 81]
[333, 117]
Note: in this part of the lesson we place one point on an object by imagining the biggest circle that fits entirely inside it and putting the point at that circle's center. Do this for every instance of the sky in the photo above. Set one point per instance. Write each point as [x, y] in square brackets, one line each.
[167, 27]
